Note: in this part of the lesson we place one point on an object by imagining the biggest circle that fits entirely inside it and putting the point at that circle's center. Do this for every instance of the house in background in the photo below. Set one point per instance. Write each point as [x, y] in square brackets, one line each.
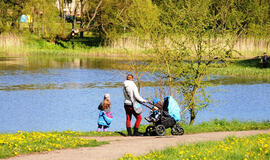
[71, 7]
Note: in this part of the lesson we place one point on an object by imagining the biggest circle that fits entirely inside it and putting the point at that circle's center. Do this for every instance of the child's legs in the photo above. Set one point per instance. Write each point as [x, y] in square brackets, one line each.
[99, 128]
[105, 128]
[156, 114]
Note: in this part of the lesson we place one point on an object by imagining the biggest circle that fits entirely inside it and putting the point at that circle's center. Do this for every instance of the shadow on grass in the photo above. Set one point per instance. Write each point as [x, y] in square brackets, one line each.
[89, 41]
[253, 62]
[121, 134]
[125, 135]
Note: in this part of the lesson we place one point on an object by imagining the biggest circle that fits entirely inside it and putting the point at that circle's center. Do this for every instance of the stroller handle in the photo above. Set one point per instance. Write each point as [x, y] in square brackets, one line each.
[145, 104]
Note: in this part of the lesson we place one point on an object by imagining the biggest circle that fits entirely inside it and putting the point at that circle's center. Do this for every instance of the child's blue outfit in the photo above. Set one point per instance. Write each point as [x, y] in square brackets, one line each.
[104, 120]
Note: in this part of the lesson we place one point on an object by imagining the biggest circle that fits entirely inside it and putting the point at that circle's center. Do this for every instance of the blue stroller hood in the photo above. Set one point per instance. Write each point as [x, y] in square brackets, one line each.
[172, 108]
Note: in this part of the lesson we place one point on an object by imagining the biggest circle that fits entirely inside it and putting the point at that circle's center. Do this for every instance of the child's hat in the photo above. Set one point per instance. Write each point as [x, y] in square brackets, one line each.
[155, 100]
[107, 96]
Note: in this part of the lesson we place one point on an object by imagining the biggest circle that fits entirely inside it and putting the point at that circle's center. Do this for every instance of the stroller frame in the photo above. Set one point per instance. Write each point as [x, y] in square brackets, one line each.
[165, 121]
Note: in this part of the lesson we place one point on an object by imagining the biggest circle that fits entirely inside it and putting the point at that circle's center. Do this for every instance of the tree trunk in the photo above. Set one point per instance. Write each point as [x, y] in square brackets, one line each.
[192, 102]
[192, 115]
[171, 86]
[81, 24]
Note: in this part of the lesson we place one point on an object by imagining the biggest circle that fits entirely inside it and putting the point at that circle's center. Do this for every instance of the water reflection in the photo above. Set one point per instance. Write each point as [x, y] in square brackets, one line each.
[61, 86]
[31, 63]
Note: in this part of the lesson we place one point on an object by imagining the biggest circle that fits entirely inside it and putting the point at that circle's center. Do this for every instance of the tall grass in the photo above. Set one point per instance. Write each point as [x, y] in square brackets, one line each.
[29, 43]
[244, 47]
[10, 43]
[251, 47]
[10, 40]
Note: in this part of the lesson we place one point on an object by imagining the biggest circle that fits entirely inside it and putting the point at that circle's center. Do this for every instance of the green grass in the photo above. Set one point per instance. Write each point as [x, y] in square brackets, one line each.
[232, 148]
[211, 126]
[28, 142]
[249, 69]
[217, 125]
[224, 125]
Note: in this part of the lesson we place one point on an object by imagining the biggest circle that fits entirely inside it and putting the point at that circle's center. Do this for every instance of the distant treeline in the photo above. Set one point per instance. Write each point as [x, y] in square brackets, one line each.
[63, 19]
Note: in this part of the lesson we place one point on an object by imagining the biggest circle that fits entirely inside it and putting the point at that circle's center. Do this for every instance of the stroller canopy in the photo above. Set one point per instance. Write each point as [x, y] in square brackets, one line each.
[172, 107]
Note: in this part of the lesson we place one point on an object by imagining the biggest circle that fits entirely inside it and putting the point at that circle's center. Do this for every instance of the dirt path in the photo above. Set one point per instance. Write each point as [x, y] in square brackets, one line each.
[118, 146]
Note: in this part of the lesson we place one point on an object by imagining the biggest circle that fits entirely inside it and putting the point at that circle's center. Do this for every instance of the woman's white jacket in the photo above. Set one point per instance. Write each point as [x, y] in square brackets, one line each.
[131, 93]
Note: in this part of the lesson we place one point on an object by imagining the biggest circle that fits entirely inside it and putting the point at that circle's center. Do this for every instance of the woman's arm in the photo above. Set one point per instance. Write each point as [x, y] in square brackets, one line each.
[137, 96]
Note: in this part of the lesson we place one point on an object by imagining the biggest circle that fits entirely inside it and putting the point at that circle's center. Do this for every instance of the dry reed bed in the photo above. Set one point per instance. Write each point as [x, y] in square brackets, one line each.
[248, 47]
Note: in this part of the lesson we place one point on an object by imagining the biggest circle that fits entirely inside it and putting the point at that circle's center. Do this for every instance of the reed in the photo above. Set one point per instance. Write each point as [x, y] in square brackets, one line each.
[10, 40]
[243, 48]
[11, 43]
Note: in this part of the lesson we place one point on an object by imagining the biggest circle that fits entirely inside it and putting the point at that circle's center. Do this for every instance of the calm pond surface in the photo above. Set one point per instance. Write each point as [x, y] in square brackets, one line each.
[56, 93]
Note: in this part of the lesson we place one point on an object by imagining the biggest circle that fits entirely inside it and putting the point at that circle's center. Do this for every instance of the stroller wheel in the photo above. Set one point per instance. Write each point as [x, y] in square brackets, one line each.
[177, 130]
[150, 131]
[160, 130]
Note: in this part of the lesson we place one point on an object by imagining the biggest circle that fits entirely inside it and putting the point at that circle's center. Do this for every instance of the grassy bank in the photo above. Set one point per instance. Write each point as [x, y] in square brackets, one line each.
[219, 125]
[28, 142]
[211, 126]
[249, 69]
[233, 148]
[25, 142]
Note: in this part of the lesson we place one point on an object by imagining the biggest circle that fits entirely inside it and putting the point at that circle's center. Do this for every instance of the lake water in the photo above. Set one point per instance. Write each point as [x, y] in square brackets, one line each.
[62, 93]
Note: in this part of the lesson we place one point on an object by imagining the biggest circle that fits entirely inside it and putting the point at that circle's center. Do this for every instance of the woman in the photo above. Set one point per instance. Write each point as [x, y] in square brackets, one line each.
[132, 98]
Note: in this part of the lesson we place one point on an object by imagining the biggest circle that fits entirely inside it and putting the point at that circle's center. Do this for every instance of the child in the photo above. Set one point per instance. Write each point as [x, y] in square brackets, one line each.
[106, 96]
[105, 115]
[155, 112]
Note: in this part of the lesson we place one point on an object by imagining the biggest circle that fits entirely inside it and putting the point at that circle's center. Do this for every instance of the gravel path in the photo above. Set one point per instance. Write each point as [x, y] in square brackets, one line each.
[118, 146]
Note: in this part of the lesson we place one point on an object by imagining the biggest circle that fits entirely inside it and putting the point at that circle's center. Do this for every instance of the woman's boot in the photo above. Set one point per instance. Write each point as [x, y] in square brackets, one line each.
[136, 132]
[129, 132]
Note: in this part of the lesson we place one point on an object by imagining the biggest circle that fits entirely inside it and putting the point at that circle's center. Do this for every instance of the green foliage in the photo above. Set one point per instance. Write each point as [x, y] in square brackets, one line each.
[178, 31]
[10, 13]
[45, 21]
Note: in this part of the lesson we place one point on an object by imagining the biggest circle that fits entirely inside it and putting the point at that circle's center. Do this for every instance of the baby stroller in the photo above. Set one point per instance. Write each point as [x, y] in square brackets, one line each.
[169, 115]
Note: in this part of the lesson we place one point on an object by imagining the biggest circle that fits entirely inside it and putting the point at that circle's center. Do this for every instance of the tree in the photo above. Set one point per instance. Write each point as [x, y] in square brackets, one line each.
[45, 20]
[10, 13]
[187, 38]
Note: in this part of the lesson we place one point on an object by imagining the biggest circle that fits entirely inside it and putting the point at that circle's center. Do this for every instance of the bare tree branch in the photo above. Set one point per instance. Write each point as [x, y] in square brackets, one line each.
[95, 13]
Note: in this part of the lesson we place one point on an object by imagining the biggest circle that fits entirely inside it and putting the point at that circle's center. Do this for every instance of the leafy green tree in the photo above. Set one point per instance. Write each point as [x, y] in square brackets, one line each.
[45, 20]
[187, 38]
[10, 13]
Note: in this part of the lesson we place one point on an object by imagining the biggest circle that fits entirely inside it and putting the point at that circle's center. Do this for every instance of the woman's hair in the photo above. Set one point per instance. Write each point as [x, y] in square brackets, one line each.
[130, 77]
[106, 104]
